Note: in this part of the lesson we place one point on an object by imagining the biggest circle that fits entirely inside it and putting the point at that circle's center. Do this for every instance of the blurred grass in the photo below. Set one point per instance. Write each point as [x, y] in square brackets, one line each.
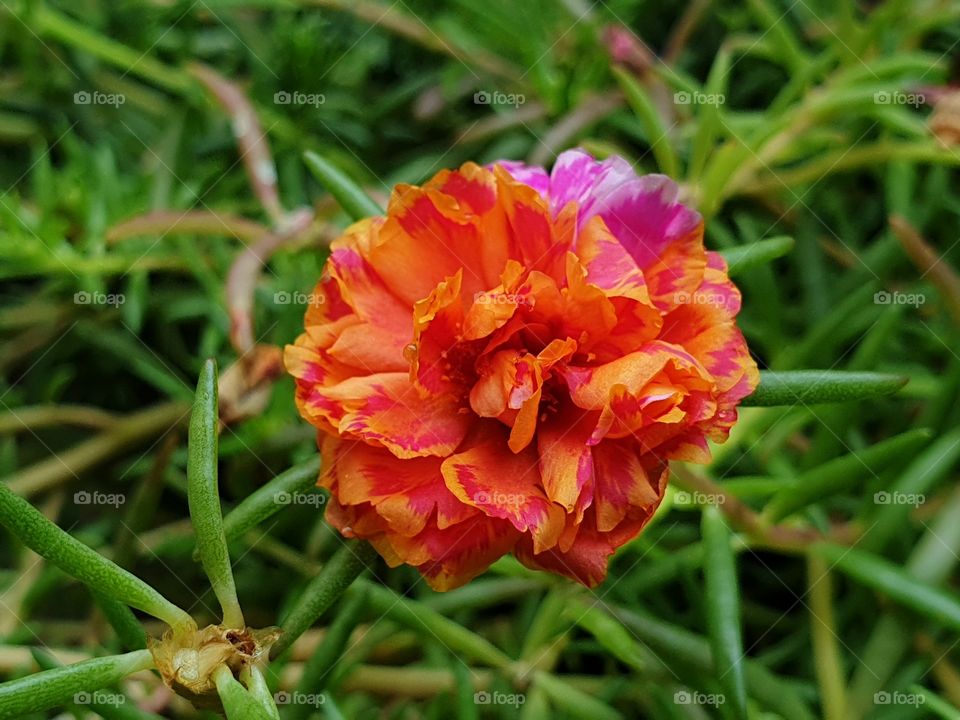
[816, 139]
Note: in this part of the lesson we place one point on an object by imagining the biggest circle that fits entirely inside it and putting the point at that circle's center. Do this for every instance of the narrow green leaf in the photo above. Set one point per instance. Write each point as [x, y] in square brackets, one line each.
[893, 581]
[673, 643]
[271, 497]
[723, 609]
[76, 559]
[828, 664]
[53, 688]
[204, 499]
[318, 669]
[758, 253]
[238, 703]
[779, 25]
[53, 25]
[932, 561]
[809, 387]
[137, 357]
[545, 625]
[467, 707]
[123, 621]
[575, 702]
[843, 473]
[109, 703]
[354, 201]
[482, 593]
[646, 112]
[326, 588]
[432, 625]
[708, 119]
[609, 632]
[935, 704]
[923, 473]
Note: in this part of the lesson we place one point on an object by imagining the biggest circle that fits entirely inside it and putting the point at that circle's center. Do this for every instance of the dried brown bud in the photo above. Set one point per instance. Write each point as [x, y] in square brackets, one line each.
[187, 662]
[246, 385]
[945, 120]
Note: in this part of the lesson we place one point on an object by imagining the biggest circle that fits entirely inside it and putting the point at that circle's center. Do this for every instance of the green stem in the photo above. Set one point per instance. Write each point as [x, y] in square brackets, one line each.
[123, 621]
[238, 703]
[432, 625]
[325, 589]
[274, 496]
[575, 702]
[51, 688]
[41, 416]
[850, 158]
[83, 563]
[318, 669]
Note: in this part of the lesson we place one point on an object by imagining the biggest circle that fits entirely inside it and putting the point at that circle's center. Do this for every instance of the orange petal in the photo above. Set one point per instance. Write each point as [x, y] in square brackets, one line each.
[624, 480]
[504, 485]
[387, 409]
[566, 460]
[404, 493]
[451, 557]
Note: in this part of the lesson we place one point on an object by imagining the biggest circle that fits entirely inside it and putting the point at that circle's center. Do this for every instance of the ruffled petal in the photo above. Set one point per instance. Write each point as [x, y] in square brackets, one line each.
[624, 480]
[586, 558]
[506, 485]
[405, 493]
[451, 557]
[566, 458]
[387, 409]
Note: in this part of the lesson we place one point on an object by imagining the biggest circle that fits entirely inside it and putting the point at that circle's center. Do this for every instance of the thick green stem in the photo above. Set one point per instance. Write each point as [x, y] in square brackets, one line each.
[83, 563]
[51, 688]
[331, 582]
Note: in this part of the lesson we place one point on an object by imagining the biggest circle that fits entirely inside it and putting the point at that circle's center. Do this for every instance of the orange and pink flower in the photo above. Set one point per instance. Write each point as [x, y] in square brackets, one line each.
[508, 360]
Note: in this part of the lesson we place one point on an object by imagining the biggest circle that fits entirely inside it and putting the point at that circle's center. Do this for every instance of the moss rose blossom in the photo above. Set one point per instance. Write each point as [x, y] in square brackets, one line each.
[507, 361]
